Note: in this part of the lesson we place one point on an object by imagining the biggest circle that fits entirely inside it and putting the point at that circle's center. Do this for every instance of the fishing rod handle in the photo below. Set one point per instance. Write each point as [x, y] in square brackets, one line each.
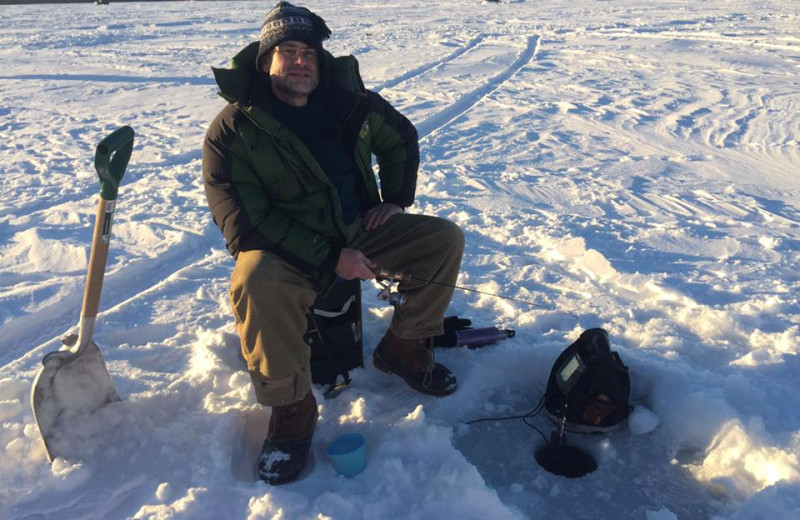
[395, 276]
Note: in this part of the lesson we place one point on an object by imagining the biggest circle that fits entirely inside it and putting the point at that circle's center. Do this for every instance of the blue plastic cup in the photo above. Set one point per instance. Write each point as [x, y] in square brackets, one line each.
[349, 454]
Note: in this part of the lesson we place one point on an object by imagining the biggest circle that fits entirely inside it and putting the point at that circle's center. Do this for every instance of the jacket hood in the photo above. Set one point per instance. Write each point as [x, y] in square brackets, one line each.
[237, 83]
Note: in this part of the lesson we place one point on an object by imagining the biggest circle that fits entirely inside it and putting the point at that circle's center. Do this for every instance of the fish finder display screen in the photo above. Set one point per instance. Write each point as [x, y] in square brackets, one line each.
[569, 369]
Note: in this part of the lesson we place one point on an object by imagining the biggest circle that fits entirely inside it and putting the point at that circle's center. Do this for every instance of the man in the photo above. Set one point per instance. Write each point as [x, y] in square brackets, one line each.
[288, 177]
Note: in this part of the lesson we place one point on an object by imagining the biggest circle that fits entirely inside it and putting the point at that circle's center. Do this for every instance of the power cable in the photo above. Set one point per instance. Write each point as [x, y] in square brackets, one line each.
[532, 413]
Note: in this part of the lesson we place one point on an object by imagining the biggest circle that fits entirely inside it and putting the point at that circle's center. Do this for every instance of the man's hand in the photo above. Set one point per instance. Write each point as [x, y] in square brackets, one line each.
[377, 216]
[353, 264]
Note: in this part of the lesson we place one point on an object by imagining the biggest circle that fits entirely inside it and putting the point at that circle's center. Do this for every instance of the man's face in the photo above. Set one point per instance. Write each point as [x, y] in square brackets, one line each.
[293, 69]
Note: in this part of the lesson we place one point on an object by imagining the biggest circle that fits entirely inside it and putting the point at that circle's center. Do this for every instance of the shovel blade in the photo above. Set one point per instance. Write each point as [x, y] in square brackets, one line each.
[69, 385]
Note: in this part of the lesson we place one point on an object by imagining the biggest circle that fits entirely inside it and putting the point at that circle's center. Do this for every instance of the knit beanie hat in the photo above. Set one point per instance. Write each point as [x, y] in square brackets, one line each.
[290, 22]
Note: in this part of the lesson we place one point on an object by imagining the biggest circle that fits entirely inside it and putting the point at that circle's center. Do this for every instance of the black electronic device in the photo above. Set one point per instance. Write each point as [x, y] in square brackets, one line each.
[556, 456]
[569, 372]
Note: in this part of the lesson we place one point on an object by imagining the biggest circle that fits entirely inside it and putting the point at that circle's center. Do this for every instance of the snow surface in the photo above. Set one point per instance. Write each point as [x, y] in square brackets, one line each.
[634, 163]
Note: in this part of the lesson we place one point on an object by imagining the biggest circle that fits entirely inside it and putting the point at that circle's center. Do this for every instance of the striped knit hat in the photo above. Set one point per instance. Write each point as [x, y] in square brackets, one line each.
[290, 22]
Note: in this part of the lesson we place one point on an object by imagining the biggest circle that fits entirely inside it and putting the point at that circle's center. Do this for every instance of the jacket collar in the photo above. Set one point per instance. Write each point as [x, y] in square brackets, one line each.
[244, 86]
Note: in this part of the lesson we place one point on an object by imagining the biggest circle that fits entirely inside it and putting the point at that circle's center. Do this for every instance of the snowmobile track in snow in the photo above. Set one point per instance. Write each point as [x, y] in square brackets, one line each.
[119, 291]
[442, 118]
[432, 65]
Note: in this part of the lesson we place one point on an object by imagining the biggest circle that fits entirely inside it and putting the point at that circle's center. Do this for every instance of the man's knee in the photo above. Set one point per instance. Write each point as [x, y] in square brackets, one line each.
[456, 235]
[251, 271]
[258, 271]
[449, 233]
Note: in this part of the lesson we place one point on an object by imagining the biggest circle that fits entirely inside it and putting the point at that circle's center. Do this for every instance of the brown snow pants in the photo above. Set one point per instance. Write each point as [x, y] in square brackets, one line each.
[270, 298]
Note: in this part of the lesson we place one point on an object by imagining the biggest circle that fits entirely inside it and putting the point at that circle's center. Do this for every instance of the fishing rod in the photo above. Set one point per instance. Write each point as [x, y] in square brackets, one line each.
[399, 299]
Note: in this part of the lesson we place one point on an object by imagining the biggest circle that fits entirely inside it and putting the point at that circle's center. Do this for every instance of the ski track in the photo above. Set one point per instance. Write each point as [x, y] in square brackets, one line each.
[721, 118]
[118, 290]
[445, 116]
[669, 34]
[431, 65]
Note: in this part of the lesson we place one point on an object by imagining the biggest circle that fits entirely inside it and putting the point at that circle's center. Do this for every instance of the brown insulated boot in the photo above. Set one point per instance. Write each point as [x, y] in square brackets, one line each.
[412, 359]
[285, 450]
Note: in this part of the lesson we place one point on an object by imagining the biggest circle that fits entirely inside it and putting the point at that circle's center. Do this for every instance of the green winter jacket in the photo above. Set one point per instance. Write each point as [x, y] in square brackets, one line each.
[266, 190]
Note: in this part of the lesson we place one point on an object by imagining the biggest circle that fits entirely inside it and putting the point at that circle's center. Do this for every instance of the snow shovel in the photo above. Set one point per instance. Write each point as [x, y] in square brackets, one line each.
[74, 381]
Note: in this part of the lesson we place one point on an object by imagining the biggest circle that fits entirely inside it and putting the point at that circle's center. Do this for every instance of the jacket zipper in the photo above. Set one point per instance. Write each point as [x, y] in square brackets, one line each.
[308, 158]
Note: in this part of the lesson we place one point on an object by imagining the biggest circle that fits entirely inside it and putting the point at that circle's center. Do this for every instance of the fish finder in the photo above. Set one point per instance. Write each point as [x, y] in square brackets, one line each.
[569, 372]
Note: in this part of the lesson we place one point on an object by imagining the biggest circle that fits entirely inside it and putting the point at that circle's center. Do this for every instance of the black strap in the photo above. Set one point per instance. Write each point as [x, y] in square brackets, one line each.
[334, 388]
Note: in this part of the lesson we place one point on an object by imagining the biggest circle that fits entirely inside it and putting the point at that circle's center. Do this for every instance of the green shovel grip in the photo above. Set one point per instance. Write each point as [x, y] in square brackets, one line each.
[110, 160]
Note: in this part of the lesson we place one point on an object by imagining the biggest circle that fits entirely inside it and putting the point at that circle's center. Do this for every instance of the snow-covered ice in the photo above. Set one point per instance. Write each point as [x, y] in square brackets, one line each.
[632, 163]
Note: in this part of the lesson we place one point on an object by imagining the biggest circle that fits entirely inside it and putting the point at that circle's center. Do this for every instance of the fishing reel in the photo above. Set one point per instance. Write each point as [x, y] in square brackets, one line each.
[388, 281]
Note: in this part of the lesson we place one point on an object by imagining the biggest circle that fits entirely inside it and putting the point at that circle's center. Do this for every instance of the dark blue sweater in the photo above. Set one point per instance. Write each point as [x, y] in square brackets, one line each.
[314, 126]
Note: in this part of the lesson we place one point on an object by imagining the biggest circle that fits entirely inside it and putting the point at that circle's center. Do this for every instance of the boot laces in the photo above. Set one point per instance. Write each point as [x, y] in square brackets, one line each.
[427, 379]
[427, 345]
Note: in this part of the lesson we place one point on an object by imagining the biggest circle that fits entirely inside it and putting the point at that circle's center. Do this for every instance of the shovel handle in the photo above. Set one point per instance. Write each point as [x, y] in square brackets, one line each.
[110, 160]
[98, 257]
